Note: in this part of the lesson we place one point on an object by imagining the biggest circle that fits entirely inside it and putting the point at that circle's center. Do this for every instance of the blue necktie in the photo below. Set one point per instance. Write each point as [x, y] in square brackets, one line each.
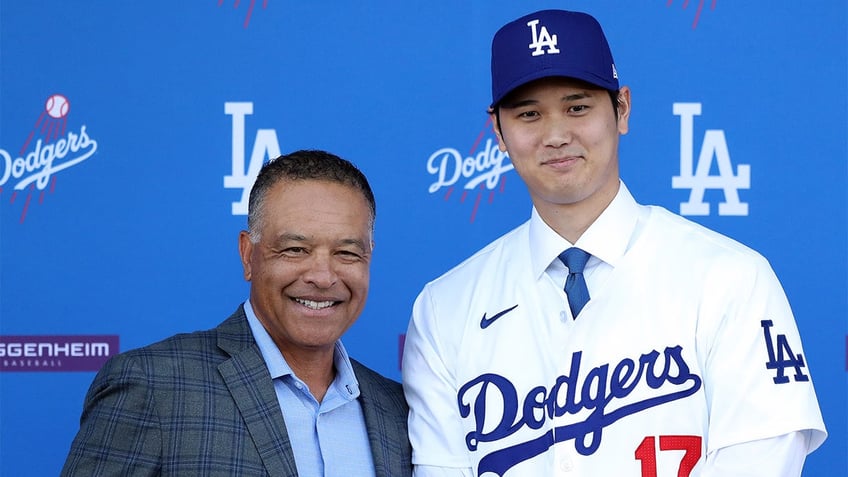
[575, 285]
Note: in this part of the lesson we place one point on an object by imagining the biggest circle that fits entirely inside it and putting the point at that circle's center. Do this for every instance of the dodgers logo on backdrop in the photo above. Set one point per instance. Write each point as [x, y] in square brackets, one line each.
[482, 169]
[265, 146]
[50, 147]
[697, 178]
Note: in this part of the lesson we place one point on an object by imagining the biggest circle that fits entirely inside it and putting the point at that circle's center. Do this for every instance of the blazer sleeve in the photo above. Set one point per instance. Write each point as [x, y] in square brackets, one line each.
[119, 430]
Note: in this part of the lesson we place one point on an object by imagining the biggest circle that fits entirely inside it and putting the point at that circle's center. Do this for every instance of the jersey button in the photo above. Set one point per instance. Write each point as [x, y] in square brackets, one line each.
[565, 465]
[563, 316]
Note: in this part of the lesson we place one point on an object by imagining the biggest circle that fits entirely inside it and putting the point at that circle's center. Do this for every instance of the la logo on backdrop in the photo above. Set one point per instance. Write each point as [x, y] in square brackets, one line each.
[265, 147]
[697, 177]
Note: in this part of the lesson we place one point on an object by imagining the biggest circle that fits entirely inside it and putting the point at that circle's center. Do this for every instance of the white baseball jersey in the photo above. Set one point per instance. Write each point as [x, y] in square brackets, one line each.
[687, 345]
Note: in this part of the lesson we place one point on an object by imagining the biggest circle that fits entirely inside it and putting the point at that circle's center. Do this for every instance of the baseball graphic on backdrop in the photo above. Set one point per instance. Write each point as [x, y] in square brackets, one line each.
[57, 106]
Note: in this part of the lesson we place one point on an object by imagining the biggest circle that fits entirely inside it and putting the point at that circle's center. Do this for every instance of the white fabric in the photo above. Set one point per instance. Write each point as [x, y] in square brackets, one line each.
[671, 351]
[429, 471]
[781, 456]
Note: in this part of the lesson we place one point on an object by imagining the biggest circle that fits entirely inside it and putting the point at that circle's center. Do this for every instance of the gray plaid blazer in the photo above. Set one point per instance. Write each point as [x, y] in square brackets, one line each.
[203, 403]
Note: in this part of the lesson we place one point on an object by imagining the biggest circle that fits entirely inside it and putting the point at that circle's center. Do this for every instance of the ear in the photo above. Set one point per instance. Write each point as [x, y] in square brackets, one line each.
[245, 251]
[623, 109]
[497, 130]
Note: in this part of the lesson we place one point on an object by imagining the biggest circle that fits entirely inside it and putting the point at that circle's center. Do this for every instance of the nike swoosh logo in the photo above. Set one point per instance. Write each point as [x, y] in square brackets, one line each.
[485, 322]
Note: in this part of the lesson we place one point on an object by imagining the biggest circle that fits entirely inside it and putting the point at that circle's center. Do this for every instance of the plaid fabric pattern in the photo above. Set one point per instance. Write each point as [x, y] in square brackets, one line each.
[203, 403]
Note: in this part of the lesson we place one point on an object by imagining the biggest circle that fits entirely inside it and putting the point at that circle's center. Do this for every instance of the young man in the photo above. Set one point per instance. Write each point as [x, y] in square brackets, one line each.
[271, 390]
[601, 337]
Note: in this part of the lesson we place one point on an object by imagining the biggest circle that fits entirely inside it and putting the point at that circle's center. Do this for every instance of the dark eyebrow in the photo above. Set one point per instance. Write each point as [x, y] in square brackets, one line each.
[519, 104]
[531, 102]
[576, 96]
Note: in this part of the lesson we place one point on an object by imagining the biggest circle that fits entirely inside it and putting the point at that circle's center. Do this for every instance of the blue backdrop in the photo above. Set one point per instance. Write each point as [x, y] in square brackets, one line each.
[129, 130]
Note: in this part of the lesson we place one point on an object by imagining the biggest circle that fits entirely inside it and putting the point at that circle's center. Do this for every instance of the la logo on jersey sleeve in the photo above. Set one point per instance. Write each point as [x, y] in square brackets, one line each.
[780, 356]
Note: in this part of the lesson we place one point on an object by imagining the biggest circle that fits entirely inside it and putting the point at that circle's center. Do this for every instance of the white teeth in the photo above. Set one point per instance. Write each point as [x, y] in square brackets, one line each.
[315, 305]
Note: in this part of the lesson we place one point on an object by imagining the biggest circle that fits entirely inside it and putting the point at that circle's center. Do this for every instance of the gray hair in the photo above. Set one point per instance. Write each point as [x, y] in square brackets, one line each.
[304, 165]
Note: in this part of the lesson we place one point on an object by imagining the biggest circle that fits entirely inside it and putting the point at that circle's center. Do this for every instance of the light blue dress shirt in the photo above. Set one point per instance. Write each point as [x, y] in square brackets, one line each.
[328, 439]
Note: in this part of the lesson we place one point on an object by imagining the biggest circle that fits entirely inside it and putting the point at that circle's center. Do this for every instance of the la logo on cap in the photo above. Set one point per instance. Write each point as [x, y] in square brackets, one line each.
[543, 39]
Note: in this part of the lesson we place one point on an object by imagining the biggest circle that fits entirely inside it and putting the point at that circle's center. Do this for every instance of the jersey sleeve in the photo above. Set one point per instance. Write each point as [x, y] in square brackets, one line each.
[781, 456]
[435, 428]
[757, 381]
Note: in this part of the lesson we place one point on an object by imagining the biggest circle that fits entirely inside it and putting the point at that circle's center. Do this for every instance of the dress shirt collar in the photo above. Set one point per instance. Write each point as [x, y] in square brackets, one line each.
[345, 380]
[606, 239]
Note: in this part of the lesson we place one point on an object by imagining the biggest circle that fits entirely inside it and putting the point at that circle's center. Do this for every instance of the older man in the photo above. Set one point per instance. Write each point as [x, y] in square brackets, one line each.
[271, 390]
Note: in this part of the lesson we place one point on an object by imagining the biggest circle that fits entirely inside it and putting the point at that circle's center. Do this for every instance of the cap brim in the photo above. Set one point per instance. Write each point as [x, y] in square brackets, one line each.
[556, 72]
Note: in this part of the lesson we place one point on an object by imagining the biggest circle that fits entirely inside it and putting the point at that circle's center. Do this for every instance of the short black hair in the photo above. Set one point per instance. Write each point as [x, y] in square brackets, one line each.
[305, 164]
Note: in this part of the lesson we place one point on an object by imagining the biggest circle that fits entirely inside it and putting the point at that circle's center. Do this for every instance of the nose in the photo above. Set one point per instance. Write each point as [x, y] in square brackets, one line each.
[320, 271]
[557, 131]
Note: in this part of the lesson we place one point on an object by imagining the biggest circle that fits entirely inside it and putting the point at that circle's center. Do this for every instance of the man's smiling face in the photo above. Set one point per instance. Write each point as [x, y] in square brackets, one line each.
[309, 269]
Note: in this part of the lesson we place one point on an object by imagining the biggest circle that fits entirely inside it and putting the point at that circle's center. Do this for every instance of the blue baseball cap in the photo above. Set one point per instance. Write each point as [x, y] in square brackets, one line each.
[551, 43]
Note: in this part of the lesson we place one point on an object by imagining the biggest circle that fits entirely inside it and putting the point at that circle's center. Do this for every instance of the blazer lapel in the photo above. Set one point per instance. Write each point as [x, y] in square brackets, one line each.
[386, 426]
[247, 379]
